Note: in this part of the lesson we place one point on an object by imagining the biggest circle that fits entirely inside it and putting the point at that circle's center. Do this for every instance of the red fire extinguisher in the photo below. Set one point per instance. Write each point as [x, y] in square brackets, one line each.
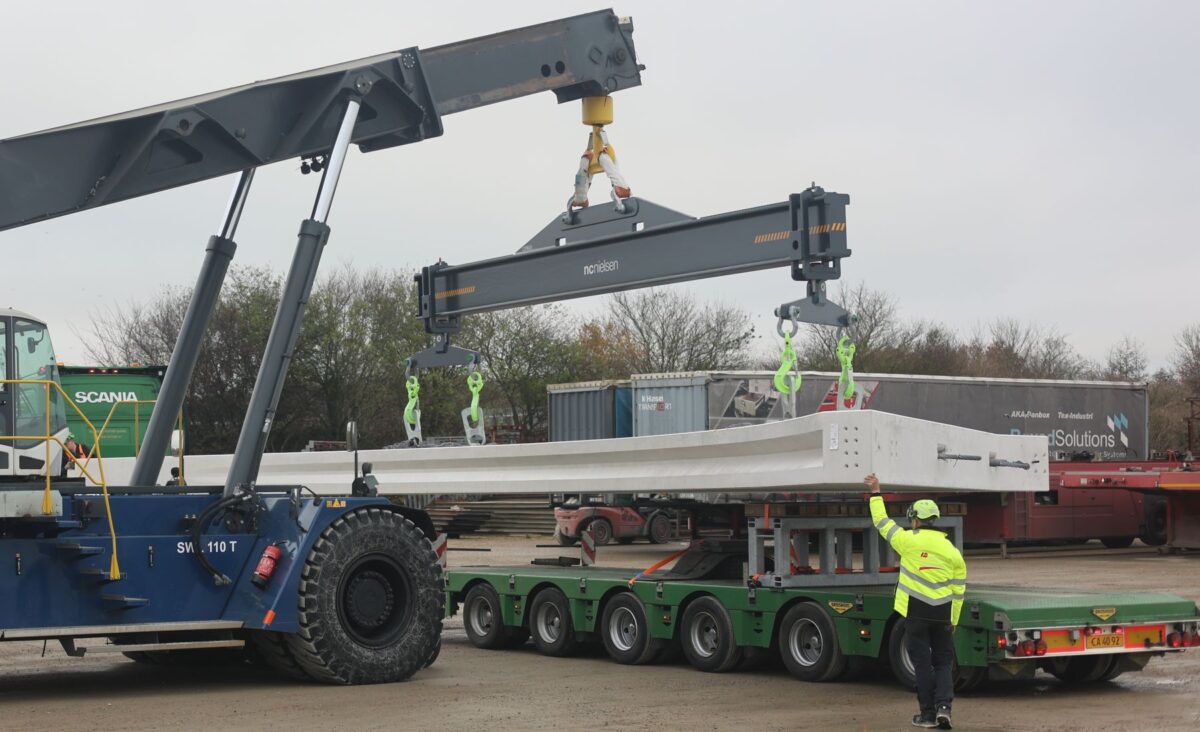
[266, 566]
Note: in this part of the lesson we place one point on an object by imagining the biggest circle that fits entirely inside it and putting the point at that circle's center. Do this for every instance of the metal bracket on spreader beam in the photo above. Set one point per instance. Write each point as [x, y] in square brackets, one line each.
[443, 354]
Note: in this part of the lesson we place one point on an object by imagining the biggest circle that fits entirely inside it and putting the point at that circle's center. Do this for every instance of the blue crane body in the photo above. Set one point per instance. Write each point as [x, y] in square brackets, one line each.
[342, 589]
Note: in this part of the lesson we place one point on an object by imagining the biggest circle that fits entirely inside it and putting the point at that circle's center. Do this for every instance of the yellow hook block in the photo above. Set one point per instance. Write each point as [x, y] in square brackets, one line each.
[597, 111]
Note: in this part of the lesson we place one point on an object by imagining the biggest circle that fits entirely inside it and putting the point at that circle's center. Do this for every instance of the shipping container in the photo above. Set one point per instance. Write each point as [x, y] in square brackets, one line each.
[664, 404]
[589, 410]
[1105, 418]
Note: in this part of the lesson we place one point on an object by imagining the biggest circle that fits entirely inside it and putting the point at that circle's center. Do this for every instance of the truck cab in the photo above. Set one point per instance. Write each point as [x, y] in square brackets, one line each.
[27, 354]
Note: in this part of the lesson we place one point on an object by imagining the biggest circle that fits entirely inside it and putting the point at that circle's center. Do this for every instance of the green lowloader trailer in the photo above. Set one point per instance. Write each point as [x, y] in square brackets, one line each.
[722, 608]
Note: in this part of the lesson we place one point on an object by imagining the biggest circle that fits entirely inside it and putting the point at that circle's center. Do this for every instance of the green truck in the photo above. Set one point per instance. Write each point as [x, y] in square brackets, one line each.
[826, 622]
[117, 400]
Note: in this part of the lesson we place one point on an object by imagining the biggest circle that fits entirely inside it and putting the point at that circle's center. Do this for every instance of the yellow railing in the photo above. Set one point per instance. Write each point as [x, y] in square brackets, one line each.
[137, 431]
[114, 569]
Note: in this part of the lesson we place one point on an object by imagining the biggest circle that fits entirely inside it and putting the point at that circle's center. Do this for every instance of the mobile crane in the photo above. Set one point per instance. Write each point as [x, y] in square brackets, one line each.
[343, 589]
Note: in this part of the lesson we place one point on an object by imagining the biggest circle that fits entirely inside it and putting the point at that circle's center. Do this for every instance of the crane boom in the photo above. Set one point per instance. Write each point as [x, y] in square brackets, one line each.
[404, 94]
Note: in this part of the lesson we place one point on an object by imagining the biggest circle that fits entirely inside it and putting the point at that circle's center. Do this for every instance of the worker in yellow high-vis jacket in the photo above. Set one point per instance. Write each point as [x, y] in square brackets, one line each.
[929, 594]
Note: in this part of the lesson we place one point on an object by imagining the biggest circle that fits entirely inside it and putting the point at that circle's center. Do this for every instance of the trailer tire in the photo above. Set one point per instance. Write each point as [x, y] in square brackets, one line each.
[482, 618]
[1156, 521]
[602, 530]
[965, 677]
[808, 644]
[706, 632]
[968, 678]
[659, 529]
[1082, 669]
[370, 600]
[625, 631]
[550, 623]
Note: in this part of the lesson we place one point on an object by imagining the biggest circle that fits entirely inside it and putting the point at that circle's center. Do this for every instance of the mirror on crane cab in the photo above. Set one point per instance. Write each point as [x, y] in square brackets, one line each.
[351, 436]
[176, 442]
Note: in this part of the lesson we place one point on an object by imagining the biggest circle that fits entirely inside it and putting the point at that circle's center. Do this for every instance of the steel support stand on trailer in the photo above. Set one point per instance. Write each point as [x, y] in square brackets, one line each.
[169, 402]
[836, 566]
[288, 318]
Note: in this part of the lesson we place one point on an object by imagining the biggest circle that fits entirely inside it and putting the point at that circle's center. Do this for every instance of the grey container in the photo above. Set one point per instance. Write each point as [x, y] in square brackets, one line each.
[664, 404]
[583, 411]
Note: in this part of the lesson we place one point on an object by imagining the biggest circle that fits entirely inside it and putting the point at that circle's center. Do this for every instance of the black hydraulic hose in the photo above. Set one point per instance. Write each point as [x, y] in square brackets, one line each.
[205, 517]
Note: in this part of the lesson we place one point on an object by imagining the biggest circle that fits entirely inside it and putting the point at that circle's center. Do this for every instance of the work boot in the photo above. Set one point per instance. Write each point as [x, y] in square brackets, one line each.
[925, 719]
[943, 717]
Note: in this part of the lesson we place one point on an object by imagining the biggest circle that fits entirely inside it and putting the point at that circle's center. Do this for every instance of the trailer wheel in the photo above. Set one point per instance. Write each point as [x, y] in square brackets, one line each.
[967, 678]
[602, 531]
[550, 623]
[1156, 521]
[626, 631]
[707, 636]
[482, 618]
[808, 644]
[370, 600]
[660, 529]
[1082, 669]
[273, 650]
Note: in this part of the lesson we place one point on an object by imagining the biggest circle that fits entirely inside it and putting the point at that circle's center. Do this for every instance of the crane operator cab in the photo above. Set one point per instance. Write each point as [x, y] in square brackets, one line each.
[27, 354]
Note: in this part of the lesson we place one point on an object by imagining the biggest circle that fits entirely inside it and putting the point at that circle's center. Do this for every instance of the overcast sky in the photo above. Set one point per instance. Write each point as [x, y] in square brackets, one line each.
[1027, 159]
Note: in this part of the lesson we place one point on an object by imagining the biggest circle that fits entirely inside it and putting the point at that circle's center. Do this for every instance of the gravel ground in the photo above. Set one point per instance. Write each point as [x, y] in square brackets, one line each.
[470, 689]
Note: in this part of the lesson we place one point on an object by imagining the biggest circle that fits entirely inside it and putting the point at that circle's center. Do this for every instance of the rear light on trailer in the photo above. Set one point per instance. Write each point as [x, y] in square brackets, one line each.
[1001, 642]
[1174, 640]
[1039, 648]
[1026, 648]
[1118, 629]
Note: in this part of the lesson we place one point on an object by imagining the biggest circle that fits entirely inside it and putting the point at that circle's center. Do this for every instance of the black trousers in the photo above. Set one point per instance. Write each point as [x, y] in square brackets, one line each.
[931, 648]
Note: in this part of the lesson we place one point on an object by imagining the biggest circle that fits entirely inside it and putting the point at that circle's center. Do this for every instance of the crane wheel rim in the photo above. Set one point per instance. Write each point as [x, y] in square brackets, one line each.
[373, 601]
[806, 643]
[623, 629]
[705, 634]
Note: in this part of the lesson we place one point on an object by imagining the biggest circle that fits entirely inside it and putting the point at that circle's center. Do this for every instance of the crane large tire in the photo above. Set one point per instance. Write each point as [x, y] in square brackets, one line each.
[274, 651]
[370, 600]
[706, 632]
[808, 644]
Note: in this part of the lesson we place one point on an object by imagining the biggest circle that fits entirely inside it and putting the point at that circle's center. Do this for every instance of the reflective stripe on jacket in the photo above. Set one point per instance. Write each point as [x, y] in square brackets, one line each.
[932, 570]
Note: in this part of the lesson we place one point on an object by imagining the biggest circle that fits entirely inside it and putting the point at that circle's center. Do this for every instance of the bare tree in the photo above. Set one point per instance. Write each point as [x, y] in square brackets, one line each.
[1126, 361]
[661, 330]
[1187, 358]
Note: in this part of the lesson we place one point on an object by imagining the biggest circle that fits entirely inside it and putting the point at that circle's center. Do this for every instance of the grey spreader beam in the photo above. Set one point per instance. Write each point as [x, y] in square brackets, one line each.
[807, 232]
[404, 94]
